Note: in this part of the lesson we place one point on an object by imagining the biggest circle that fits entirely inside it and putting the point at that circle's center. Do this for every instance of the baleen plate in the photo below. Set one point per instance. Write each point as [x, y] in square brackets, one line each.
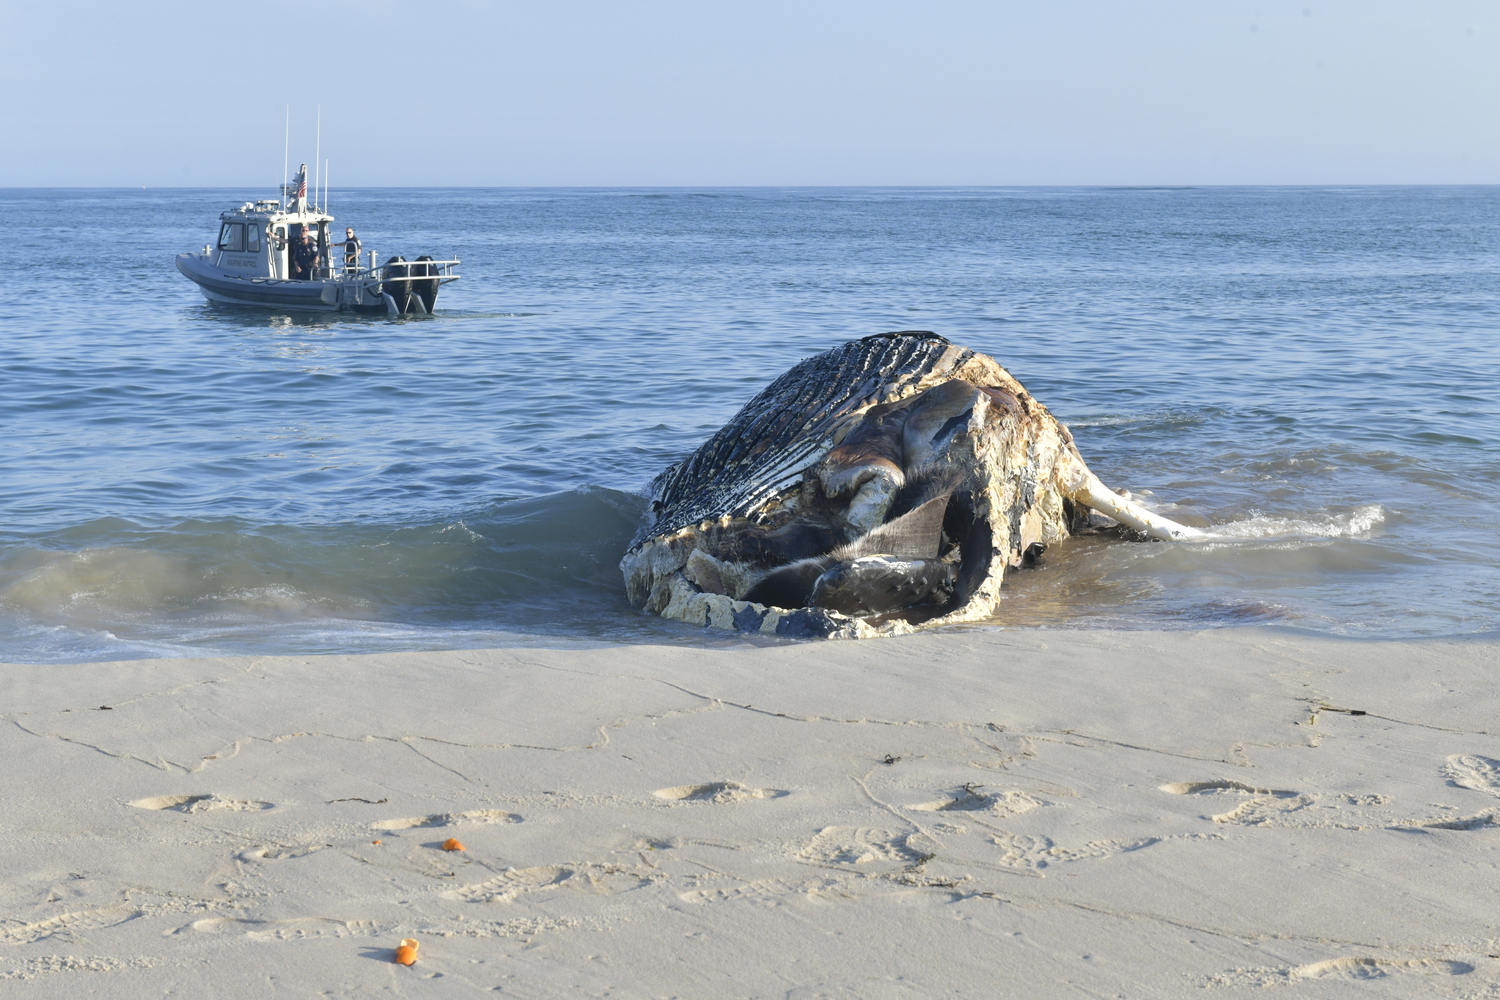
[786, 428]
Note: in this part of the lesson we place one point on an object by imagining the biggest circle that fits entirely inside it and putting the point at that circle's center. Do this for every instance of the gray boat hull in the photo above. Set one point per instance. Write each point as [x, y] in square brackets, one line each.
[339, 294]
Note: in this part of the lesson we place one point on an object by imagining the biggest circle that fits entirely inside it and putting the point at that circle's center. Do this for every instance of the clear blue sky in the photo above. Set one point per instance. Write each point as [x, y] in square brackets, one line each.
[702, 93]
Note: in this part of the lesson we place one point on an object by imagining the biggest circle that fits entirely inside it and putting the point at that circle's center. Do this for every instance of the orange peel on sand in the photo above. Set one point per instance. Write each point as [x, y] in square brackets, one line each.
[407, 953]
[452, 844]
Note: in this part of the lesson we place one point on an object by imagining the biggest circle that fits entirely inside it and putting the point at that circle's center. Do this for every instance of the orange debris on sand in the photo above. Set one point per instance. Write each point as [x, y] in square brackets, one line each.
[374, 841]
[407, 953]
[452, 844]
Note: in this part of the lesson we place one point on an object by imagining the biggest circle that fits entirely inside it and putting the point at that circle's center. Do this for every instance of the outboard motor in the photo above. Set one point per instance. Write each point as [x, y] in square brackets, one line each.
[425, 290]
[401, 291]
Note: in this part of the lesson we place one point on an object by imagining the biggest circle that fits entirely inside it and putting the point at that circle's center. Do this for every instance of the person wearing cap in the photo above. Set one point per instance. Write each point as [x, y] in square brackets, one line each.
[304, 256]
[351, 248]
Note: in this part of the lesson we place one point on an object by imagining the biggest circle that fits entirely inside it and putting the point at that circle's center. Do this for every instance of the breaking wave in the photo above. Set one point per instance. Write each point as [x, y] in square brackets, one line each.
[546, 565]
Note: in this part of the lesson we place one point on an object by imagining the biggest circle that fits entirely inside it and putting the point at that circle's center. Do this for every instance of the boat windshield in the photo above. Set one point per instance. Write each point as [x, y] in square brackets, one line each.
[232, 237]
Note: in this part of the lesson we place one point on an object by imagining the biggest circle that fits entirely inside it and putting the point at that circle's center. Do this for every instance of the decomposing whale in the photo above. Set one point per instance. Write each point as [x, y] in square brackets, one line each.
[881, 486]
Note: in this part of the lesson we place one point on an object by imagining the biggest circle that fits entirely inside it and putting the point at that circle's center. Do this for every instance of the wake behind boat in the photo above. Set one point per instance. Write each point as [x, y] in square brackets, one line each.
[261, 259]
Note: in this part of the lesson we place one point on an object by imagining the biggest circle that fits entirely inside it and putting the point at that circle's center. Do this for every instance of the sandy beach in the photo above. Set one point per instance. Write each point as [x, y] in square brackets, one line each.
[971, 813]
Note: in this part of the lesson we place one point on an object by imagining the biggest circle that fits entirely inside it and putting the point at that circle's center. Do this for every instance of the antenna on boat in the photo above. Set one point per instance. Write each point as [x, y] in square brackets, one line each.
[286, 152]
[317, 157]
[325, 187]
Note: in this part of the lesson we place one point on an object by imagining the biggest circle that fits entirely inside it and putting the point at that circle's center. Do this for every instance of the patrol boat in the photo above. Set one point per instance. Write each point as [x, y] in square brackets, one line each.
[254, 264]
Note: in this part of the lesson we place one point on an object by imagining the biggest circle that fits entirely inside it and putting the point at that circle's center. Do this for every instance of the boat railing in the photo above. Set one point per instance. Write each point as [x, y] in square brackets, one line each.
[338, 267]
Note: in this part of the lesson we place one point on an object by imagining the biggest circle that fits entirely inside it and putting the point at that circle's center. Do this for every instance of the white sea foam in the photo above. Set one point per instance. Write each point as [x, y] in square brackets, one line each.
[1360, 521]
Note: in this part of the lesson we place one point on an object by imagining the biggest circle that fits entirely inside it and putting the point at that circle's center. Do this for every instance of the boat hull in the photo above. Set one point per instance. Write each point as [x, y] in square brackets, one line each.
[341, 294]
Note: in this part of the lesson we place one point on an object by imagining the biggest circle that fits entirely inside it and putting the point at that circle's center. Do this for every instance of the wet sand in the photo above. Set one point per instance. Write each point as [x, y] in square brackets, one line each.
[972, 813]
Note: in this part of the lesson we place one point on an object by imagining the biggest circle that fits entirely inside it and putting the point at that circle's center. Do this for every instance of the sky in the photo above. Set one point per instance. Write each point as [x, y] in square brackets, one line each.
[445, 92]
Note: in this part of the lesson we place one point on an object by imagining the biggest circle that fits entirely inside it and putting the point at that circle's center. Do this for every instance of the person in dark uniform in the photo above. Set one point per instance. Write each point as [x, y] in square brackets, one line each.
[351, 249]
[304, 256]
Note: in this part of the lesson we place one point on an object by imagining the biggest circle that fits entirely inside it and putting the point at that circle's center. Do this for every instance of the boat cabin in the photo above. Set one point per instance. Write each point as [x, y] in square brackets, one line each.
[257, 239]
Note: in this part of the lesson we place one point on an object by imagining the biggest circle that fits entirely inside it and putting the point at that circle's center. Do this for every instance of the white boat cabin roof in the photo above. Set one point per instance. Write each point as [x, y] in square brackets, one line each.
[269, 211]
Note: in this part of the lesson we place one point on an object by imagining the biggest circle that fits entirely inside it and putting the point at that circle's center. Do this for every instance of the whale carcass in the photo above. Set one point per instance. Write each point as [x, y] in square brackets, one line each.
[881, 486]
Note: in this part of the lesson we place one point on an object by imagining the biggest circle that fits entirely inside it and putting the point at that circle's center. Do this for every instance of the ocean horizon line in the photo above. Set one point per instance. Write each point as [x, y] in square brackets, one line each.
[1323, 186]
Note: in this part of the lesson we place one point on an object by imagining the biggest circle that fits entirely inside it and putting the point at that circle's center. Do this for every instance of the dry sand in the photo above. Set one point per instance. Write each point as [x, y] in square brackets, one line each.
[974, 813]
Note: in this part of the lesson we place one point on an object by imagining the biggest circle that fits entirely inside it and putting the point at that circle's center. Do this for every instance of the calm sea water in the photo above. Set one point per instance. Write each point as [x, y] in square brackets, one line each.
[1312, 370]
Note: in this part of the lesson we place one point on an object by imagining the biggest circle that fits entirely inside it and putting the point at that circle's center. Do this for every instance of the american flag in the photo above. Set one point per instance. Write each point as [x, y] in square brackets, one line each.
[298, 188]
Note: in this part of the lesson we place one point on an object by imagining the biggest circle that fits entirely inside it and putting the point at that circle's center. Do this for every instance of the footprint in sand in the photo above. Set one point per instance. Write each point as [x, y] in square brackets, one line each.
[1484, 820]
[1334, 969]
[260, 852]
[592, 879]
[1376, 968]
[200, 803]
[1279, 807]
[295, 929]
[65, 924]
[1262, 807]
[762, 889]
[1464, 770]
[523, 928]
[1040, 852]
[1202, 787]
[446, 819]
[1467, 770]
[48, 965]
[847, 846]
[719, 791]
[973, 798]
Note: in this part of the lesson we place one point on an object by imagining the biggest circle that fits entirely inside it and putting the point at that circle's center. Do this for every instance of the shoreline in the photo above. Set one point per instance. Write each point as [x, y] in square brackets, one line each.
[975, 812]
[672, 634]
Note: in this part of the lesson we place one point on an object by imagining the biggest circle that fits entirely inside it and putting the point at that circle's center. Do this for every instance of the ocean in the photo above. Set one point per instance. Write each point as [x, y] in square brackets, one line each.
[1313, 371]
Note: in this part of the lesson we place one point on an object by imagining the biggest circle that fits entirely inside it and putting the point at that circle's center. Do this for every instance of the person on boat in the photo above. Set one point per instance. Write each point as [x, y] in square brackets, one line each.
[304, 257]
[351, 248]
